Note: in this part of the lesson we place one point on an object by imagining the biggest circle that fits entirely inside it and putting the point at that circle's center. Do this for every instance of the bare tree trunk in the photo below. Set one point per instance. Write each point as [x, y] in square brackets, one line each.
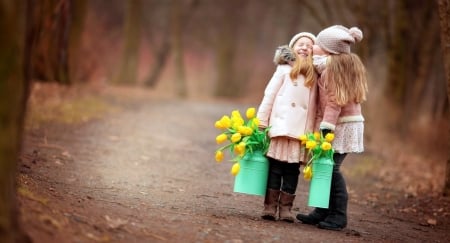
[166, 47]
[78, 14]
[14, 93]
[396, 51]
[64, 22]
[41, 25]
[315, 13]
[162, 47]
[444, 16]
[160, 61]
[329, 13]
[362, 13]
[422, 59]
[128, 68]
[177, 47]
[226, 51]
[51, 23]
[410, 60]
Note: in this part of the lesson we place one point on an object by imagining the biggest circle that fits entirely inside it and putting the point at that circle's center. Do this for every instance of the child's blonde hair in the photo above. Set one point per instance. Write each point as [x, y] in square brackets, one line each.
[304, 66]
[346, 76]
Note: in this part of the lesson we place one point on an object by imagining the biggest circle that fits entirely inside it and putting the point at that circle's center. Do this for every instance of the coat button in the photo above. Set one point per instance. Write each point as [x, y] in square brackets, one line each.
[293, 104]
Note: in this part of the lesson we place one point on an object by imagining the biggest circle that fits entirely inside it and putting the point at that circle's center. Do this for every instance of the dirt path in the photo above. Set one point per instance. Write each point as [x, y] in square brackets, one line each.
[147, 174]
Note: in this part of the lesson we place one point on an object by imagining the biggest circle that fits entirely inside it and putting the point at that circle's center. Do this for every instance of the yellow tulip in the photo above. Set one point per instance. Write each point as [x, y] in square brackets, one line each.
[236, 137]
[235, 169]
[236, 113]
[244, 130]
[225, 121]
[307, 173]
[242, 145]
[326, 146]
[311, 144]
[219, 156]
[221, 138]
[240, 148]
[236, 150]
[250, 112]
[241, 129]
[317, 135]
[218, 125]
[236, 122]
[303, 138]
[248, 131]
[329, 137]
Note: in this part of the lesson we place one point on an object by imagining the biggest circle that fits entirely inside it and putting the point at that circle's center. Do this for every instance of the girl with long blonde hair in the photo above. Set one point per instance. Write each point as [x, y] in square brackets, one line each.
[288, 108]
[342, 88]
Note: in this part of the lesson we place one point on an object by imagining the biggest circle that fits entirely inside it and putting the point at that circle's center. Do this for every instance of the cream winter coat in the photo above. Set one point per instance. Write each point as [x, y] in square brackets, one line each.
[288, 107]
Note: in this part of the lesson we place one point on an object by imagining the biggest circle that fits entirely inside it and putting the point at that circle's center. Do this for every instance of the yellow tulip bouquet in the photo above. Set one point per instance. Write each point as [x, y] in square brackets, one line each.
[243, 135]
[318, 146]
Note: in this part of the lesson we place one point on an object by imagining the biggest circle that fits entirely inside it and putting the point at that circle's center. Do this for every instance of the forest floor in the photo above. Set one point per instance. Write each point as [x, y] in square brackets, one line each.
[126, 165]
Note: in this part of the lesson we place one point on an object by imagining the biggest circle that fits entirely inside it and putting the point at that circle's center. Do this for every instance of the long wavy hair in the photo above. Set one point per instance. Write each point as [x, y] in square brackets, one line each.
[304, 66]
[346, 76]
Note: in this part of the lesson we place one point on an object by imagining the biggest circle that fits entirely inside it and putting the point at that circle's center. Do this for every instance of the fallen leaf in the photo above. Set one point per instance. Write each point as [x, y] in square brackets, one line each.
[66, 154]
[115, 223]
[49, 220]
[432, 221]
[30, 195]
[104, 238]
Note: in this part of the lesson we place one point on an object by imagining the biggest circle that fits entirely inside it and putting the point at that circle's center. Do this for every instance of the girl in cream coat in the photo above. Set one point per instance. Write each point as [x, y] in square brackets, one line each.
[288, 108]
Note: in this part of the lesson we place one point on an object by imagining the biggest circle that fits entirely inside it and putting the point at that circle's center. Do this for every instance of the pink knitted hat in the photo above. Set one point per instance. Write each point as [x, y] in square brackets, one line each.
[337, 38]
[300, 35]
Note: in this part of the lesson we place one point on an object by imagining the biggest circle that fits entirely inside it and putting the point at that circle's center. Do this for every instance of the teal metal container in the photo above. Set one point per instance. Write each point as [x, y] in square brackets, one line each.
[253, 173]
[319, 189]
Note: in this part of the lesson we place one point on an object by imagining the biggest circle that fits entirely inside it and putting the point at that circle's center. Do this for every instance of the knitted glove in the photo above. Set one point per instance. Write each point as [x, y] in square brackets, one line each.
[325, 132]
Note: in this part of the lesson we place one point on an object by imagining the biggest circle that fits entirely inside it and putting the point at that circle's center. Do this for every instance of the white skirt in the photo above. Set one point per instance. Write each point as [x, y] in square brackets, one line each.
[285, 149]
[348, 137]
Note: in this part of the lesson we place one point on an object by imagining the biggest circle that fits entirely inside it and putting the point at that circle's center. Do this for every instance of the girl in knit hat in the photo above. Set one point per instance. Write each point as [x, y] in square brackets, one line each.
[288, 108]
[342, 88]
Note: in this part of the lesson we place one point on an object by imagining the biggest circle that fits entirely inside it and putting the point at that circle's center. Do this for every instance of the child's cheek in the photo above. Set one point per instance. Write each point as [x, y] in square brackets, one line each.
[317, 50]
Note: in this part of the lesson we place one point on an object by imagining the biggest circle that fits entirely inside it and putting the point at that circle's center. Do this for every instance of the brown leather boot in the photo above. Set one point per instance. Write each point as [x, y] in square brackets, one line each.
[271, 204]
[286, 202]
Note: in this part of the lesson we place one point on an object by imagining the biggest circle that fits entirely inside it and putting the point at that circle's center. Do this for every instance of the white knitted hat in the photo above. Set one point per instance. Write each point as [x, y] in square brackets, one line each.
[300, 35]
[337, 38]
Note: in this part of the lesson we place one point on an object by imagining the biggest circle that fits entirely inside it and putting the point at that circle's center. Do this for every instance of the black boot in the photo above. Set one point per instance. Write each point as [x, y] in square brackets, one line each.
[337, 217]
[317, 215]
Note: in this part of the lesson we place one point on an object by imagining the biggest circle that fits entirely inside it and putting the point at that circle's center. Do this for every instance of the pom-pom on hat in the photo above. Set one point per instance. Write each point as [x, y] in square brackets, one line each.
[337, 38]
[300, 35]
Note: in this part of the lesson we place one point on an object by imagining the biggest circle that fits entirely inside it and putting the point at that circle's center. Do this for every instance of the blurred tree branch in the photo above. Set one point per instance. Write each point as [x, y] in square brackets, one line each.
[163, 51]
[315, 13]
[444, 19]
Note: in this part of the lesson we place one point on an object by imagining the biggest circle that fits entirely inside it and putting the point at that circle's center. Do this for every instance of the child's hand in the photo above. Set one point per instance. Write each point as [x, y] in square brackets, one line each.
[325, 132]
